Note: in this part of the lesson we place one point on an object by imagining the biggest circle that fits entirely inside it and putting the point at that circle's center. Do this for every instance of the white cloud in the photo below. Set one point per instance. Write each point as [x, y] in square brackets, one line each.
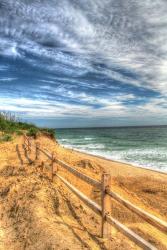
[111, 108]
[7, 79]
[128, 38]
[125, 34]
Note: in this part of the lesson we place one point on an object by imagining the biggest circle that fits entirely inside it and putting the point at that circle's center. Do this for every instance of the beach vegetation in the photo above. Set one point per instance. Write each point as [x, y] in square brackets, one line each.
[10, 124]
[5, 138]
[32, 132]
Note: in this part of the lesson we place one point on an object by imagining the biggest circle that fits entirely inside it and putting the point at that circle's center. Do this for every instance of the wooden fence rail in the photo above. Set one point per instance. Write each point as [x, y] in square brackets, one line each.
[130, 234]
[162, 225]
[106, 194]
[97, 209]
[82, 176]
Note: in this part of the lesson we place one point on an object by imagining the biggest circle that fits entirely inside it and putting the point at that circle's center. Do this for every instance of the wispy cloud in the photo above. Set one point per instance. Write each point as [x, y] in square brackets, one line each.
[7, 79]
[81, 56]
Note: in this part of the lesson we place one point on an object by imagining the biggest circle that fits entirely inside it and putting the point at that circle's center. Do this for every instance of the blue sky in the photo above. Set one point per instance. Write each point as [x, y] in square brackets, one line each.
[84, 63]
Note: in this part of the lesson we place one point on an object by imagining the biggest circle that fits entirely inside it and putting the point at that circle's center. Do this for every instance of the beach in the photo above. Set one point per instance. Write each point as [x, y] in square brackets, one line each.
[138, 146]
[144, 188]
[83, 125]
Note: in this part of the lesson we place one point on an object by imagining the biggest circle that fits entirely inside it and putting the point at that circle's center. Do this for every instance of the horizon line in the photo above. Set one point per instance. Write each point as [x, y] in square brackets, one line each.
[127, 126]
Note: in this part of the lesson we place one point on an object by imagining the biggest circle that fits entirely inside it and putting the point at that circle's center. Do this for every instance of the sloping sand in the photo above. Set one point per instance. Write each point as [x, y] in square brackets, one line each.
[38, 214]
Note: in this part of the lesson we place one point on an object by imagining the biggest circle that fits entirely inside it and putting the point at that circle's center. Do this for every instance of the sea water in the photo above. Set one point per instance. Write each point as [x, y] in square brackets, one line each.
[140, 146]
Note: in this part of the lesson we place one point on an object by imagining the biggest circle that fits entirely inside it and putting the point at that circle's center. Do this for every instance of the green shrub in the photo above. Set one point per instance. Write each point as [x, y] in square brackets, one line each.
[19, 132]
[9, 124]
[5, 137]
[32, 132]
[49, 132]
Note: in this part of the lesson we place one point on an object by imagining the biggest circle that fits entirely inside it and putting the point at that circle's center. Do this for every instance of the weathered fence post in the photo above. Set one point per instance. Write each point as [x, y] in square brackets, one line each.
[56, 167]
[29, 145]
[42, 166]
[37, 150]
[24, 143]
[106, 203]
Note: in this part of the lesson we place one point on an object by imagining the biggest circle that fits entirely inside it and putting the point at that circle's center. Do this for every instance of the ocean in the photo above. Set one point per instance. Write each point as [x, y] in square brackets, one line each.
[139, 146]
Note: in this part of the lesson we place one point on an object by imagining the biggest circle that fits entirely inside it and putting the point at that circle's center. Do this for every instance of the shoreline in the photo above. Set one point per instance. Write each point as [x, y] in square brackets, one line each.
[114, 161]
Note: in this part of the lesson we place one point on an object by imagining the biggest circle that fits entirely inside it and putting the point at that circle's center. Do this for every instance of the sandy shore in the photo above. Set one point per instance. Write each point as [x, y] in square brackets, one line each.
[120, 162]
[144, 188]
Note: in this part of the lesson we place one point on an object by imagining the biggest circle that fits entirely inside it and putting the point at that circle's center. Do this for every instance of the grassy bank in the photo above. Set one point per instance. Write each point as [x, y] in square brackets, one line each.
[10, 125]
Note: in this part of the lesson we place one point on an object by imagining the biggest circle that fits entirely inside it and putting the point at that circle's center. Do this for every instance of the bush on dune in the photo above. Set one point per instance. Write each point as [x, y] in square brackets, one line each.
[49, 132]
[9, 124]
[32, 132]
[5, 138]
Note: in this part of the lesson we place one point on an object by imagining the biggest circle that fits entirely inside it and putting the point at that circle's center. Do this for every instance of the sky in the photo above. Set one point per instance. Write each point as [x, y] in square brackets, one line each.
[79, 63]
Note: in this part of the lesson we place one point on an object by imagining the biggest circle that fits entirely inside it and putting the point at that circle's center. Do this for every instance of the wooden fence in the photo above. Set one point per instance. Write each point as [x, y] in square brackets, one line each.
[105, 209]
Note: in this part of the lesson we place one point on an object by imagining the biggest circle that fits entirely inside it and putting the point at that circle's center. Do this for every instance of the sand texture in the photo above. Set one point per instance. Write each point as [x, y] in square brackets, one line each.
[36, 213]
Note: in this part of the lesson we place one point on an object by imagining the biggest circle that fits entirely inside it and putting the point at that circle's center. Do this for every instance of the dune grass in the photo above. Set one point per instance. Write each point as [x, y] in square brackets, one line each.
[9, 125]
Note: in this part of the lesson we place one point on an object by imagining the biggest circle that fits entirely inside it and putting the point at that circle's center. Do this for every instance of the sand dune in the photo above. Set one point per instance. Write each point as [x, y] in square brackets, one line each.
[38, 214]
